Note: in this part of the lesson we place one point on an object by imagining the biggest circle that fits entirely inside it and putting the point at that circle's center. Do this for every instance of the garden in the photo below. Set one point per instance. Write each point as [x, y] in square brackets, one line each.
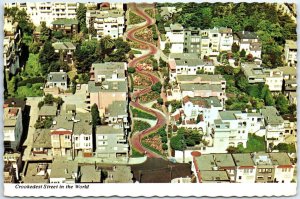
[135, 19]
[141, 114]
[149, 97]
[139, 125]
[157, 142]
[141, 81]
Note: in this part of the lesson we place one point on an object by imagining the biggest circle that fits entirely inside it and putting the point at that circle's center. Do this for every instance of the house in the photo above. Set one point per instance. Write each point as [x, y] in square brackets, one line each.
[188, 64]
[271, 77]
[210, 41]
[290, 127]
[175, 35]
[57, 80]
[284, 168]
[11, 45]
[107, 84]
[82, 138]
[198, 112]
[61, 136]
[41, 146]
[290, 53]
[64, 171]
[15, 102]
[89, 174]
[13, 128]
[202, 79]
[106, 22]
[67, 26]
[110, 142]
[226, 39]
[248, 41]
[158, 170]
[274, 124]
[118, 174]
[245, 168]
[65, 50]
[225, 162]
[116, 114]
[12, 167]
[47, 111]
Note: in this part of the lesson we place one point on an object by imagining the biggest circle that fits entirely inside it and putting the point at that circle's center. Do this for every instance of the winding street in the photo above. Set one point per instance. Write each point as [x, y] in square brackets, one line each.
[161, 121]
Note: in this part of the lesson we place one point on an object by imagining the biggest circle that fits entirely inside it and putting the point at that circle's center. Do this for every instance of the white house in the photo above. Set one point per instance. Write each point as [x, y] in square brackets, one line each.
[57, 80]
[175, 35]
[290, 52]
[245, 168]
[226, 39]
[284, 169]
[13, 127]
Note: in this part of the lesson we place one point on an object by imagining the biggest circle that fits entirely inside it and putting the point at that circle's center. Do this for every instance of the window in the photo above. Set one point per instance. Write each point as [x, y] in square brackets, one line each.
[67, 136]
[240, 177]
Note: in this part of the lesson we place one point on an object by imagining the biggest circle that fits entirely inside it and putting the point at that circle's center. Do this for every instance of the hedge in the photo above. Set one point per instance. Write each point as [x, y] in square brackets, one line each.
[31, 81]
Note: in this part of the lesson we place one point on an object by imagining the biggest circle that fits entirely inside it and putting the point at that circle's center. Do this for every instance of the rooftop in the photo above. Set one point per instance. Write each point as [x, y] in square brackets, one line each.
[15, 102]
[229, 115]
[48, 110]
[206, 102]
[157, 170]
[57, 77]
[108, 130]
[83, 124]
[214, 176]
[11, 116]
[61, 122]
[262, 159]
[288, 70]
[247, 35]
[280, 159]
[66, 22]
[201, 87]
[108, 86]
[271, 115]
[176, 26]
[224, 160]
[42, 138]
[64, 46]
[119, 174]
[243, 159]
[199, 78]
[205, 162]
[89, 174]
[62, 168]
[117, 108]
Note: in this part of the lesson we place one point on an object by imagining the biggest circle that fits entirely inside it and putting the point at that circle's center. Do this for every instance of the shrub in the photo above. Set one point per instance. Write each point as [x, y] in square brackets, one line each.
[131, 70]
[164, 139]
[165, 146]
[31, 81]
[28, 85]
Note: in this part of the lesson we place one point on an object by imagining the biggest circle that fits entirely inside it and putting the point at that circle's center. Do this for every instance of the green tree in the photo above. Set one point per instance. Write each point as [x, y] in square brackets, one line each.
[47, 56]
[160, 101]
[45, 32]
[131, 70]
[49, 99]
[106, 46]
[165, 147]
[81, 17]
[156, 87]
[178, 142]
[40, 104]
[162, 63]
[282, 104]
[242, 82]
[269, 100]
[34, 47]
[164, 139]
[242, 53]
[57, 34]
[86, 54]
[235, 48]
[95, 115]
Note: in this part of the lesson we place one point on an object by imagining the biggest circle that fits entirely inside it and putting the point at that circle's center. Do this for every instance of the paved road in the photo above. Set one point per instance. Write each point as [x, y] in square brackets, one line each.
[137, 137]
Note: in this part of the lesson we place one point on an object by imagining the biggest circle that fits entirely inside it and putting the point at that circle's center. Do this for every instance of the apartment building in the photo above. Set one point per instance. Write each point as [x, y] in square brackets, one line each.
[202, 79]
[188, 64]
[289, 79]
[245, 168]
[248, 41]
[47, 11]
[274, 124]
[11, 45]
[82, 139]
[290, 127]
[284, 168]
[271, 77]
[64, 171]
[41, 146]
[13, 128]
[108, 84]
[106, 22]
[290, 53]
[111, 142]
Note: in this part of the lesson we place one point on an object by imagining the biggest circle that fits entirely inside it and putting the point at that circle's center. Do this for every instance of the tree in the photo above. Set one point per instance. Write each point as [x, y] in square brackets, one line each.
[47, 56]
[250, 57]
[57, 34]
[178, 142]
[242, 53]
[162, 63]
[106, 46]
[59, 101]
[131, 70]
[164, 139]
[242, 82]
[40, 104]
[235, 48]
[231, 149]
[95, 115]
[81, 17]
[292, 108]
[269, 100]
[282, 104]
[48, 99]
[165, 147]
[156, 87]
[45, 32]
[160, 101]
[34, 47]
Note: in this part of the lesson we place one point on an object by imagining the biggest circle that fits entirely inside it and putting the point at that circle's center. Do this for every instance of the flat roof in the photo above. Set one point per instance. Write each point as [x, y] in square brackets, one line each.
[64, 46]
[200, 77]
[195, 87]
[68, 22]
[205, 162]
[229, 115]
[105, 129]
[48, 110]
[117, 108]
[108, 86]
[11, 116]
[84, 125]
[271, 115]
[42, 138]
[224, 160]
[243, 159]
[214, 176]
[63, 168]
[89, 174]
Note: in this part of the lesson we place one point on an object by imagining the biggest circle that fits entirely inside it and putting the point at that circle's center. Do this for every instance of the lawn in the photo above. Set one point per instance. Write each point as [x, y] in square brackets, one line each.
[153, 143]
[141, 114]
[135, 52]
[255, 144]
[135, 19]
[139, 125]
[32, 67]
[136, 154]
[30, 91]
[149, 97]
[150, 12]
